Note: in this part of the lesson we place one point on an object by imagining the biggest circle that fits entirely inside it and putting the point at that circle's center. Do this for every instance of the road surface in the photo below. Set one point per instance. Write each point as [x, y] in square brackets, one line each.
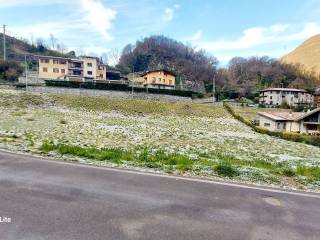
[46, 199]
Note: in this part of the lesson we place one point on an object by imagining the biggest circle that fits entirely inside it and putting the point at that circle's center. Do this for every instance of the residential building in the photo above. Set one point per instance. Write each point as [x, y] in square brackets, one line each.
[101, 72]
[90, 67]
[75, 70]
[52, 67]
[80, 70]
[289, 96]
[160, 79]
[300, 122]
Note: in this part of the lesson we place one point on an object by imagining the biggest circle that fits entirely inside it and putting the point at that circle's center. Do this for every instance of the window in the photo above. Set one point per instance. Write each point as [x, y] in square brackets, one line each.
[267, 124]
[44, 60]
[278, 125]
[63, 71]
[270, 97]
[89, 64]
[170, 82]
[55, 62]
[164, 81]
[159, 80]
[154, 80]
[44, 69]
[56, 70]
[63, 62]
[89, 72]
[101, 75]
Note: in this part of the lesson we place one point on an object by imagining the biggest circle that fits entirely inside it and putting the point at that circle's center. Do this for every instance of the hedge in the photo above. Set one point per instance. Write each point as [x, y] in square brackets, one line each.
[119, 87]
[290, 136]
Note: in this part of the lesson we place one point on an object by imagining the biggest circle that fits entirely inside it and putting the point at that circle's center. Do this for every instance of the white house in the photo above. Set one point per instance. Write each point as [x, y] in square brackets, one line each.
[289, 96]
[301, 122]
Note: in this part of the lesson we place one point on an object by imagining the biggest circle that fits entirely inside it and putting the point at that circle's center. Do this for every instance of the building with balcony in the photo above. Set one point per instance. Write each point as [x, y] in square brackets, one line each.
[80, 70]
[292, 97]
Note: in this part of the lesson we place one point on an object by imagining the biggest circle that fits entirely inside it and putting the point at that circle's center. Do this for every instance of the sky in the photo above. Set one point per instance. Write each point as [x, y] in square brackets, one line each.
[224, 29]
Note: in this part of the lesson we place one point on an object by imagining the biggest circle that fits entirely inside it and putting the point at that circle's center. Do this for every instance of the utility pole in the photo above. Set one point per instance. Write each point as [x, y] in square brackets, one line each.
[26, 70]
[4, 43]
[133, 78]
[214, 89]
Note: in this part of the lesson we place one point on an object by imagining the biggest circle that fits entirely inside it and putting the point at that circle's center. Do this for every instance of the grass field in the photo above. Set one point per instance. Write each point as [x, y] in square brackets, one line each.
[191, 139]
[251, 113]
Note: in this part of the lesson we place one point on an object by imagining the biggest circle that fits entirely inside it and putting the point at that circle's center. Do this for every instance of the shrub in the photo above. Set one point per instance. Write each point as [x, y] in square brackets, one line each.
[119, 87]
[226, 169]
[289, 172]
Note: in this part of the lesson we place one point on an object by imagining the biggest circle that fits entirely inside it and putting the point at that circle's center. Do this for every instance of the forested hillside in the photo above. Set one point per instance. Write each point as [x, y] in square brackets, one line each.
[194, 68]
[245, 76]
[17, 49]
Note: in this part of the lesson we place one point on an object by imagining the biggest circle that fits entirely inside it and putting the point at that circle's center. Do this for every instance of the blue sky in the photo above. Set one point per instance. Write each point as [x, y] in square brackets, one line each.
[224, 29]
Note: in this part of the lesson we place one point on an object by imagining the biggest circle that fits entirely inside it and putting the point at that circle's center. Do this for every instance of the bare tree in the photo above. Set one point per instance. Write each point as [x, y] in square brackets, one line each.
[112, 57]
[53, 41]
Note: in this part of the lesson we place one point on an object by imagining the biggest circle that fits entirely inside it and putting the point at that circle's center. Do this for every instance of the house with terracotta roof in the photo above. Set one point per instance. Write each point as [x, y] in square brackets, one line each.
[300, 122]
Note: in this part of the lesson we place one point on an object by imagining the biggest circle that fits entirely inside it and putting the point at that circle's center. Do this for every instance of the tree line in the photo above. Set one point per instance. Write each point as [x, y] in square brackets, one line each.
[196, 69]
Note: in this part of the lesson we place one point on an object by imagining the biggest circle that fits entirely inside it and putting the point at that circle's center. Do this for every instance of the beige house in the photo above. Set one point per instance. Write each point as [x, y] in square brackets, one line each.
[52, 67]
[83, 69]
[160, 79]
[90, 67]
[300, 122]
[289, 96]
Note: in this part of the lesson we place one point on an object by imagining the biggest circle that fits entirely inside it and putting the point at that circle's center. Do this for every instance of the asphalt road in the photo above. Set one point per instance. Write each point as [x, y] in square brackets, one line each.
[55, 200]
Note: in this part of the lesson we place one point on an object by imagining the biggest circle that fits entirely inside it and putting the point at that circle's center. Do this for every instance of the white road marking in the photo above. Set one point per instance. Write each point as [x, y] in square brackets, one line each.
[105, 168]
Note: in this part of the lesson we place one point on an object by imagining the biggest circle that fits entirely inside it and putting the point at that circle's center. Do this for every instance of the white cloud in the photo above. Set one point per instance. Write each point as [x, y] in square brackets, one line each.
[98, 16]
[252, 37]
[168, 15]
[196, 36]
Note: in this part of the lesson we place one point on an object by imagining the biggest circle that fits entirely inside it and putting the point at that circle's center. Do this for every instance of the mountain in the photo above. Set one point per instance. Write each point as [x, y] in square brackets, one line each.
[307, 55]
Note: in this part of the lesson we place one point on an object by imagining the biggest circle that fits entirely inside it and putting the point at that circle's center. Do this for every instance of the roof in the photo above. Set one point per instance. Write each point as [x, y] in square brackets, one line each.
[41, 56]
[283, 89]
[288, 116]
[308, 114]
[158, 70]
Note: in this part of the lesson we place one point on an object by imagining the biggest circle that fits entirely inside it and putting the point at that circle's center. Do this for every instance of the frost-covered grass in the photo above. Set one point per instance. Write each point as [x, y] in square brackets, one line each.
[205, 136]
[251, 113]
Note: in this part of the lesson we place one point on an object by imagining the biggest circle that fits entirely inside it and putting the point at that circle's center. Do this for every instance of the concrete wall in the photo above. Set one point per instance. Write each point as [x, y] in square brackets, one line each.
[109, 94]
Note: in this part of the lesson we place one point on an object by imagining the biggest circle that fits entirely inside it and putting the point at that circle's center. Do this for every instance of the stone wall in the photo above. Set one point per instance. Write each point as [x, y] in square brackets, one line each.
[108, 94]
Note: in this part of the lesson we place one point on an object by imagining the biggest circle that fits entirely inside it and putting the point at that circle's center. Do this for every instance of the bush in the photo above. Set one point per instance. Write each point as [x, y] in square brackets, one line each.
[226, 169]
[10, 70]
[289, 172]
